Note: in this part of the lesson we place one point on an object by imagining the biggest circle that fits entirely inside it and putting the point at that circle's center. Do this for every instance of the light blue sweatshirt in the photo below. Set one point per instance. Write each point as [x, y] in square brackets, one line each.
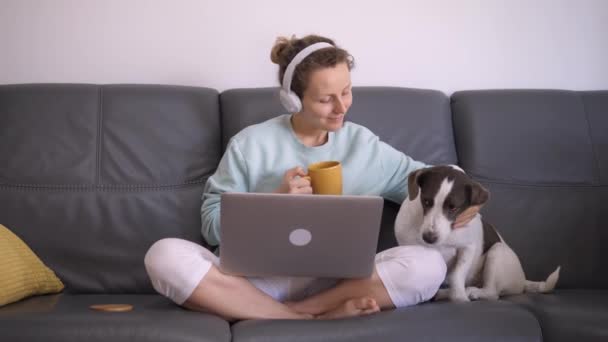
[257, 157]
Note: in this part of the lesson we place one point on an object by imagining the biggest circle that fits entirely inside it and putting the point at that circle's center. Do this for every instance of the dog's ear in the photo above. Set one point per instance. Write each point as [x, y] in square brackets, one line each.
[413, 184]
[478, 195]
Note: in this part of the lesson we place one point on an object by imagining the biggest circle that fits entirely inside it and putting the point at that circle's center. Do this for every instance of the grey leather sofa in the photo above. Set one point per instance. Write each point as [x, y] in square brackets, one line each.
[91, 176]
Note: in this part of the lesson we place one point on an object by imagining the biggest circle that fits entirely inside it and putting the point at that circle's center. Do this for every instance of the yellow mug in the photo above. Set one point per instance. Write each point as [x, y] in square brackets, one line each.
[325, 178]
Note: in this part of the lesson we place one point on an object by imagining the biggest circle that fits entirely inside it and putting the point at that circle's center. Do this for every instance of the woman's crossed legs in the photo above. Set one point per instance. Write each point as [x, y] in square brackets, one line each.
[187, 273]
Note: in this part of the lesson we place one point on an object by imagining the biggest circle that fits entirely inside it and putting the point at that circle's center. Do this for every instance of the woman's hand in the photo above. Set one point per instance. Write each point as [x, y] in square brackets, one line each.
[293, 183]
[466, 216]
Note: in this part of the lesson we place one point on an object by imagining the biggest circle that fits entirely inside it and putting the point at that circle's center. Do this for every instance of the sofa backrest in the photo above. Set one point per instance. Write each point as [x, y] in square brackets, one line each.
[543, 155]
[415, 121]
[91, 176]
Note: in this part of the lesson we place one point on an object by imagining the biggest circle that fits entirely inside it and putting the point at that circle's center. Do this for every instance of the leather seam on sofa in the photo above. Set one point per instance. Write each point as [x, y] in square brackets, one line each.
[533, 185]
[594, 153]
[101, 187]
[99, 139]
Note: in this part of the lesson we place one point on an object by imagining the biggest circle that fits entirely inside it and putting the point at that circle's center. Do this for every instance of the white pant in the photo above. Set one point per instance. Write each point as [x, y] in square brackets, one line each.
[410, 274]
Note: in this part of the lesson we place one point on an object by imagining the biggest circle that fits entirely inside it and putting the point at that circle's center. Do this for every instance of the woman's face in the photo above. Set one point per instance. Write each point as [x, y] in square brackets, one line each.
[327, 98]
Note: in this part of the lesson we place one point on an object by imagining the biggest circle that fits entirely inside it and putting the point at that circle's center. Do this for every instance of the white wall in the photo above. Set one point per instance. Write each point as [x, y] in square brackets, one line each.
[441, 44]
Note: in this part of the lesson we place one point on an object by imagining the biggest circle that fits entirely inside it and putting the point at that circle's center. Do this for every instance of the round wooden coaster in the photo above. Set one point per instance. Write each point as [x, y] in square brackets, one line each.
[112, 307]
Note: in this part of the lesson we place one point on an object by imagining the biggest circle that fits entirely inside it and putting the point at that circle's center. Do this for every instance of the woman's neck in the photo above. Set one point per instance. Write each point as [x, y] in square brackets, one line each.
[308, 135]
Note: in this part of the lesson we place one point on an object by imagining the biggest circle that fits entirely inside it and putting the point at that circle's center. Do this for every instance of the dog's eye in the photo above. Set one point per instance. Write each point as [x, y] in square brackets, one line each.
[427, 203]
[451, 207]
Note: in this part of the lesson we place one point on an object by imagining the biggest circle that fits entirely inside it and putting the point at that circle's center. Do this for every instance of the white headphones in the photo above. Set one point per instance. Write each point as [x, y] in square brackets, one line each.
[289, 99]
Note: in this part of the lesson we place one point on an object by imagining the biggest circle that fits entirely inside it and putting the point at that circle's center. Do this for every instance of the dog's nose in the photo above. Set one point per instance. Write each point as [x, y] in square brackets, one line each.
[429, 237]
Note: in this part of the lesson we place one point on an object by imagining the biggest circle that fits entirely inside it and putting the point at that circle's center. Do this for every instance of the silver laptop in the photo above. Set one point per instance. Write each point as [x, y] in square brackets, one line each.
[299, 235]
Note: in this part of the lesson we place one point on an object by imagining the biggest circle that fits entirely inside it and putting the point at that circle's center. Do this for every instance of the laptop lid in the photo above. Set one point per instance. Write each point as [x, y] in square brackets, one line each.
[299, 235]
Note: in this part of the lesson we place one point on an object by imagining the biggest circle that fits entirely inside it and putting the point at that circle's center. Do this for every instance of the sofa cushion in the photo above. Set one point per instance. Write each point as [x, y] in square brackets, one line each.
[569, 315]
[65, 318]
[596, 108]
[540, 153]
[533, 132]
[48, 133]
[22, 274]
[415, 121]
[441, 321]
[156, 135]
[92, 176]
[595, 104]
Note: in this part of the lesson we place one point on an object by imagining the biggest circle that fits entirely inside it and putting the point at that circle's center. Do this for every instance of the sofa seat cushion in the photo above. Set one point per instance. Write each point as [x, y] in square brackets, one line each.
[439, 321]
[569, 315]
[66, 317]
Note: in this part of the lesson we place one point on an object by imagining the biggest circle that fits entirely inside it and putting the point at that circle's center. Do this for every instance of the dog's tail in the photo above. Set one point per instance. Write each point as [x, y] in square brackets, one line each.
[543, 286]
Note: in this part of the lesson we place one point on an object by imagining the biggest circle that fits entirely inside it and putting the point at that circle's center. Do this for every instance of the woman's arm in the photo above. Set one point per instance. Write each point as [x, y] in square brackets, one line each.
[396, 167]
[230, 176]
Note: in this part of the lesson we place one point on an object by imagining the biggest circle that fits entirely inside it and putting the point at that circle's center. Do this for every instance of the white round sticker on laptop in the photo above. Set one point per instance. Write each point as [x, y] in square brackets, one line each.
[300, 237]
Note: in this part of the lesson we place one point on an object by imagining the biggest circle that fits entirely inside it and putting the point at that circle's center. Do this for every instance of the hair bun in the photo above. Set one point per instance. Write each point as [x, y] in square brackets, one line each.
[278, 54]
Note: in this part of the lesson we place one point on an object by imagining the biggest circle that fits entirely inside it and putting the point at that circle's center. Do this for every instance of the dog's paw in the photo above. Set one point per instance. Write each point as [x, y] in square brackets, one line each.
[473, 293]
[459, 297]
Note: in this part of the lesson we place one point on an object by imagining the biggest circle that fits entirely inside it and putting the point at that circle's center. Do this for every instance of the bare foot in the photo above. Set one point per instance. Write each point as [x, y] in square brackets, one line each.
[303, 308]
[298, 315]
[351, 308]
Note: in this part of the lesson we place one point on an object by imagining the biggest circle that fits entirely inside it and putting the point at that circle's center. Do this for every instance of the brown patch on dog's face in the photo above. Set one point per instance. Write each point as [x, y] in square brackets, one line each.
[412, 185]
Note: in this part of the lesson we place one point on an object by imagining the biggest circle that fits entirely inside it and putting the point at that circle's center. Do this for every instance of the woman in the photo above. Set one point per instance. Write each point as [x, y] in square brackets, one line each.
[270, 157]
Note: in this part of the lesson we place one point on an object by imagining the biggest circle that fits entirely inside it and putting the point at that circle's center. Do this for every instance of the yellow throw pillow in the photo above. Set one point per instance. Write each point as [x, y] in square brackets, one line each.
[22, 274]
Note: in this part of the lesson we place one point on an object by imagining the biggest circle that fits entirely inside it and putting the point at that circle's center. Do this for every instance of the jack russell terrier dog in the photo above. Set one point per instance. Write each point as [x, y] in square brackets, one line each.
[480, 264]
